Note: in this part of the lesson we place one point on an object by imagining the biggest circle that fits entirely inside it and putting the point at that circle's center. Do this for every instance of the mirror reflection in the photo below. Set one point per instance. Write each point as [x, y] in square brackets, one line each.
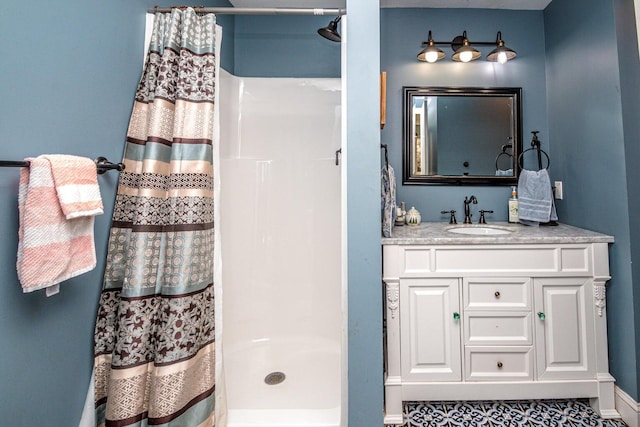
[461, 135]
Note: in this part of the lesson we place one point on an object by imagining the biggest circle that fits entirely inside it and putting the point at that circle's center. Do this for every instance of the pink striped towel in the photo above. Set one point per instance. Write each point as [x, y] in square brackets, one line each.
[58, 199]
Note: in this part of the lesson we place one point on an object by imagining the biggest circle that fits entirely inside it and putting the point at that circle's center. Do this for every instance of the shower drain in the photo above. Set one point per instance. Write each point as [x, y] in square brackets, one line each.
[274, 378]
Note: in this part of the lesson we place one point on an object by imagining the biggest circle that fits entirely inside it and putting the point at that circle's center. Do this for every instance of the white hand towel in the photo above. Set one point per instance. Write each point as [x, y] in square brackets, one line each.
[535, 198]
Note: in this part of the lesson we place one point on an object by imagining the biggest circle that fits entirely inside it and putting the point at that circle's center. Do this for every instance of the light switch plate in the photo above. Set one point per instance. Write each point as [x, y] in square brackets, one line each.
[558, 190]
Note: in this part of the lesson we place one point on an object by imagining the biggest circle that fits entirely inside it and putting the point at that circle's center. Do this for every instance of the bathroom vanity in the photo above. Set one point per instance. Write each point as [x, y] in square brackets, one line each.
[495, 312]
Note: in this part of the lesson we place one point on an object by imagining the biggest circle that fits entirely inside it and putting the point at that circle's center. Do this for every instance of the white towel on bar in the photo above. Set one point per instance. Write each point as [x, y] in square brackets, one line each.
[388, 200]
[535, 198]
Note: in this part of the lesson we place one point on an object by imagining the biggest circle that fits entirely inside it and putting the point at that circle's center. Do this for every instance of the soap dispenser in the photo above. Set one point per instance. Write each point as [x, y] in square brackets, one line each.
[513, 205]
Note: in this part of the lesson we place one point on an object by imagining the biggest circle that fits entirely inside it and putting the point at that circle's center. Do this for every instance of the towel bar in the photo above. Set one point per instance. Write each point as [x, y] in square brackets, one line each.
[102, 164]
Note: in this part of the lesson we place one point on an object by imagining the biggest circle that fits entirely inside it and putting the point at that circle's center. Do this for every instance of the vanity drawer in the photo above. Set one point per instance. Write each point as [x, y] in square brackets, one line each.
[498, 363]
[503, 293]
[498, 328]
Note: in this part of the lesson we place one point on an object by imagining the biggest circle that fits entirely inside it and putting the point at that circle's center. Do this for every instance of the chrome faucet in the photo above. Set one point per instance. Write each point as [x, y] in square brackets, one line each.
[467, 211]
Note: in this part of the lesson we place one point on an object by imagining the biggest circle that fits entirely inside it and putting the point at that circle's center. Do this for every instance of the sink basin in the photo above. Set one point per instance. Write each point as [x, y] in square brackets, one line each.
[479, 231]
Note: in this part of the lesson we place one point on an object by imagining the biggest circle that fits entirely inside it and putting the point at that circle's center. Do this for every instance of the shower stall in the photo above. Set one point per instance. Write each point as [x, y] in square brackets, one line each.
[280, 219]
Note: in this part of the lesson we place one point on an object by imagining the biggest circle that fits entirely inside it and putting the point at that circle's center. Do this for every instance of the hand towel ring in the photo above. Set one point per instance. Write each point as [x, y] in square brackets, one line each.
[520, 158]
[535, 145]
[503, 153]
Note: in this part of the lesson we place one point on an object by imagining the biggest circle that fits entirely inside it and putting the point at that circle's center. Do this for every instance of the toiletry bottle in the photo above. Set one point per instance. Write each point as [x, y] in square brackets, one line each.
[413, 217]
[401, 215]
[513, 206]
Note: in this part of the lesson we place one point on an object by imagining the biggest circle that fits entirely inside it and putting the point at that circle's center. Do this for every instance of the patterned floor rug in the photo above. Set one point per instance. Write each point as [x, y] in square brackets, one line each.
[554, 413]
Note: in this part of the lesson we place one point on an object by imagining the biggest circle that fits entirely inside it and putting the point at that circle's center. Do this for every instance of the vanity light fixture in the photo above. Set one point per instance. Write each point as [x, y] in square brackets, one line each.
[466, 52]
[463, 51]
[501, 54]
[431, 53]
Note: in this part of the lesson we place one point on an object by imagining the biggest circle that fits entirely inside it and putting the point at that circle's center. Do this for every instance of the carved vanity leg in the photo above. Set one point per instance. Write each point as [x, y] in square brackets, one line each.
[604, 404]
[392, 380]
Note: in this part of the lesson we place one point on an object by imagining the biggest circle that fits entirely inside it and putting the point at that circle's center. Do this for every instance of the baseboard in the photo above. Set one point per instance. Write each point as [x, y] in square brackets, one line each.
[628, 408]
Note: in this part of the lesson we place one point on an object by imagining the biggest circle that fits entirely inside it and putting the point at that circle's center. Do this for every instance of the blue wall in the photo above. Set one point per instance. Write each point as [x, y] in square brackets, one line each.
[403, 30]
[585, 106]
[630, 94]
[288, 46]
[363, 207]
[68, 82]
[284, 46]
[69, 73]
[593, 104]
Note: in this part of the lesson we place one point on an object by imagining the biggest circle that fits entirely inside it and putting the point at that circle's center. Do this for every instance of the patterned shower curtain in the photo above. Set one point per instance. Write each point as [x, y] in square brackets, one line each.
[154, 337]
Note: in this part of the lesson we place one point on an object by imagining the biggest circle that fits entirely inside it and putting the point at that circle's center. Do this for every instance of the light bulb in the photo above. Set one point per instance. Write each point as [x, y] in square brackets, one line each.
[466, 56]
[431, 56]
[502, 57]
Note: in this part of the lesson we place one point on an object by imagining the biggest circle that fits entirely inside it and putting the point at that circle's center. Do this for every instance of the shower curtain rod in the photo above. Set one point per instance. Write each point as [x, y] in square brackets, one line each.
[253, 10]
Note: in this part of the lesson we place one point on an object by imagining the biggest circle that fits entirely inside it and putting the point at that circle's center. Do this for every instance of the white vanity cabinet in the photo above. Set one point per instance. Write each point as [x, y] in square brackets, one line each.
[498, 329]
[564, 307]
[430, 348]
[496, 319]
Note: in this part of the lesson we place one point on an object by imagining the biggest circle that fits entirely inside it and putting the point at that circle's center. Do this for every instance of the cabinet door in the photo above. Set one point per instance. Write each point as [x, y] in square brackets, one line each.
[564, 341]
[430, 330]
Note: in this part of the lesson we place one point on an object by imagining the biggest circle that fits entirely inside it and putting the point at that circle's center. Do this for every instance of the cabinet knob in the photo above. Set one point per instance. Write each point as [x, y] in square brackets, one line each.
[497, 294]
[456, 316]
[541, 315]
[499, 365]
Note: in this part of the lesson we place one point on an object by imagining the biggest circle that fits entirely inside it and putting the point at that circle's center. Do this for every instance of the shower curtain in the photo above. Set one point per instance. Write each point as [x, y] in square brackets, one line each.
[155, 336]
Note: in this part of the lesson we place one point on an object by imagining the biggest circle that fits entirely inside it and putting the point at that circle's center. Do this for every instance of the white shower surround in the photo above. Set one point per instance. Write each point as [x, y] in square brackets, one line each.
[280, 223]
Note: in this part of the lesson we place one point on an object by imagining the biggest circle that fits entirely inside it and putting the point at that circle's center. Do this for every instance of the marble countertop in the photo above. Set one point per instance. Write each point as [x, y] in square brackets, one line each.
[436, 233]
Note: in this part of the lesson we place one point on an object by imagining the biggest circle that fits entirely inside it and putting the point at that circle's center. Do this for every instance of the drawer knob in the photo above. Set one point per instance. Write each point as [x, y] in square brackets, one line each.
[456, 316]
[541, 315]
[499, 364]
[497, 294]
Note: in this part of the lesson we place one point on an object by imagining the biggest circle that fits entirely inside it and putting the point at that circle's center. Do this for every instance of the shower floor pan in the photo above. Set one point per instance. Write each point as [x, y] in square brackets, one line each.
[284, 384]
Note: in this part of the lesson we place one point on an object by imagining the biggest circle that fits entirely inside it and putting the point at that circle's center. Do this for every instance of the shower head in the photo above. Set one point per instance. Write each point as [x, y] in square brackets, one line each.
[330, 32]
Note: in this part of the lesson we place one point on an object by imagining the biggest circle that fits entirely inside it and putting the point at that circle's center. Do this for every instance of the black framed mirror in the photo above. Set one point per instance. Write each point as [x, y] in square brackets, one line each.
[461, 135]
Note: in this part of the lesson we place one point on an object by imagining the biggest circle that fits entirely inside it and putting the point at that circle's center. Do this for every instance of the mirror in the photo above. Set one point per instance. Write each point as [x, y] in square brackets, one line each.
[461, 136]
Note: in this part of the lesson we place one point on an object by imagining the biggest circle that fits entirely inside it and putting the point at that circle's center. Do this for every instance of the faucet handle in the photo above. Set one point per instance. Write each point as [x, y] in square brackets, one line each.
[482, 220]
[452, 219]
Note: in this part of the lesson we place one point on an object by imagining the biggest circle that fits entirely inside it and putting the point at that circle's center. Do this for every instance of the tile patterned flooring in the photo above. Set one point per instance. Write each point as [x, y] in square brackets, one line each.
[554, 413]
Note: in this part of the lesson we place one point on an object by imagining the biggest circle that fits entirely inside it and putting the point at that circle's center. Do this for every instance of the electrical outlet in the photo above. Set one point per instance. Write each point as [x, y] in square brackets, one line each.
[558, 190]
